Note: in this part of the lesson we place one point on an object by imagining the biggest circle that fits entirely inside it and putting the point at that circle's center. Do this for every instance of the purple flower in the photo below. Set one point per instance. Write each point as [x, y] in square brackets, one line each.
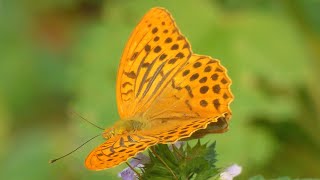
[138, 161]
[177, 144]
[231, 172]
[127, 174]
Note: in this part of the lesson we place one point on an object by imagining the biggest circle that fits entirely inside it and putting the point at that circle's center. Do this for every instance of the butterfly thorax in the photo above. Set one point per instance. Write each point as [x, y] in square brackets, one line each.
[123, 127]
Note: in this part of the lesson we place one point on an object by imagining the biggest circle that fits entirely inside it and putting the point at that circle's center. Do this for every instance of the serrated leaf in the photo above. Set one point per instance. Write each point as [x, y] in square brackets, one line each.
[195, 162]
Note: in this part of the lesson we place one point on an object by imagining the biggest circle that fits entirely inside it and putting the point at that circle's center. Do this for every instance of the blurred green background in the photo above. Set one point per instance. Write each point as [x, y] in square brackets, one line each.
[59, 56]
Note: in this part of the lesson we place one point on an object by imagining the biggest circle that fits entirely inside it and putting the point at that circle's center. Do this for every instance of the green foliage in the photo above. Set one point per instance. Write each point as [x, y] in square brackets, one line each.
[197, 162]
[260, 177]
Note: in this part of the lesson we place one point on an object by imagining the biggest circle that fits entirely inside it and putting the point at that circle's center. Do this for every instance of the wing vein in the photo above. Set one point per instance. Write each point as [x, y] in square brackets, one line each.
[145, 76]
[153, 78]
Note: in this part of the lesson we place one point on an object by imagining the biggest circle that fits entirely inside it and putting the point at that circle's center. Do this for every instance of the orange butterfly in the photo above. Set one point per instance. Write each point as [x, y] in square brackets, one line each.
[165, 93]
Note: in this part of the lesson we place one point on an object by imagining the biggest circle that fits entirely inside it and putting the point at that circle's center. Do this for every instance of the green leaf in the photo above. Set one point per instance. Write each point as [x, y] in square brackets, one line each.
[197, 162]
[258, 177]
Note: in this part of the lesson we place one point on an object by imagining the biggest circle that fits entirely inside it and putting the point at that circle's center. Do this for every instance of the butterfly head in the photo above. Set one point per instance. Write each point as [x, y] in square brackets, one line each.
[108, 133]
[113, 131]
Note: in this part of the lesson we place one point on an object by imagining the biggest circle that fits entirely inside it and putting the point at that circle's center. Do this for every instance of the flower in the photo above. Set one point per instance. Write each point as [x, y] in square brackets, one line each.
[127, 174]
[231, 172]
[138, 161]
[177, 144]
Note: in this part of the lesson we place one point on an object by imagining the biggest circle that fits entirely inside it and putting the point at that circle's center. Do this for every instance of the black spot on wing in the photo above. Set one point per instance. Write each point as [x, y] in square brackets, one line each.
[131, 75]
[207, 69]
[156, 38]
[203, 103]
[157, 49]
[186, 72]
[154, 30]
[214, 76]
[180, 55]
[134, 56]
[162, 56]
[194, 77]
[203, 80]
[197, 64]
[168, 40]
[147, 48]
[126, 84]
[216, 104]
[216, 88]
[224, 81]
[175, 47]
[204, 89]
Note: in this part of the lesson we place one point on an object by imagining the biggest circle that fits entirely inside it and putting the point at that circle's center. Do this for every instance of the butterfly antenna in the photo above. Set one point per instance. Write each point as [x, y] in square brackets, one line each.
[77, 114]
[54, 160]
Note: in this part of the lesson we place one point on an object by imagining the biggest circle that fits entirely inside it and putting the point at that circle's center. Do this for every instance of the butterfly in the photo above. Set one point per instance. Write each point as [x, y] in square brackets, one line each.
[165, 93]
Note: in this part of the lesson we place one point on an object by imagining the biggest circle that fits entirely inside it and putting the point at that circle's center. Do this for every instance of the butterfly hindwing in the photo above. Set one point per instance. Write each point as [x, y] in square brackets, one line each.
[196, 101]
[201, 89]
[118, 149]
[175, 129]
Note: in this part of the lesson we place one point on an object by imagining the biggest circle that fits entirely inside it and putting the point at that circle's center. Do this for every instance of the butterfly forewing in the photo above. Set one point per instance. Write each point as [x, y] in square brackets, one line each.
[153, 55]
